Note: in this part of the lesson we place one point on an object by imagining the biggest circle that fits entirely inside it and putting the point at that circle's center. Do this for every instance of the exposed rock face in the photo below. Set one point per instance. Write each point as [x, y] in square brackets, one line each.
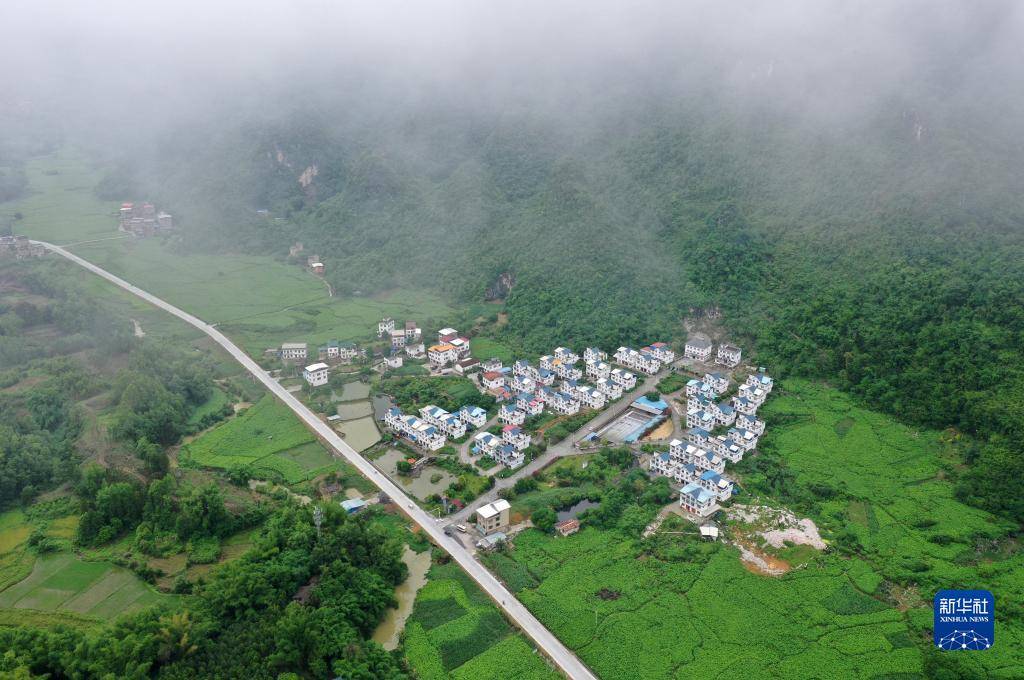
[501, 287]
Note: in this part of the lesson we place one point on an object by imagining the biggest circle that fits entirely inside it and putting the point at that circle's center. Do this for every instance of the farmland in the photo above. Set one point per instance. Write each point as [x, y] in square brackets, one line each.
[676, 608]
[485, 348]
[268, 438]
[455, 632]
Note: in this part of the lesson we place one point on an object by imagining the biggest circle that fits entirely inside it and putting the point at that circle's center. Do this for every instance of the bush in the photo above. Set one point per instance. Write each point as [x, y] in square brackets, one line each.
[205, 550]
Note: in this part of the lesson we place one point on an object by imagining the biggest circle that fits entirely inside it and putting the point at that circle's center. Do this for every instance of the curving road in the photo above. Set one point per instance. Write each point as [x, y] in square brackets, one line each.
[561, 655]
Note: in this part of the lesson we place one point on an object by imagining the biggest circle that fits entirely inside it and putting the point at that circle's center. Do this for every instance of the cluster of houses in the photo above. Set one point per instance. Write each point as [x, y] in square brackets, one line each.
[20, 247]
[142, 219]
[452, 349]
[435, 426]
[701, 349]
[648, 360]
[408, 338]
[698, 463]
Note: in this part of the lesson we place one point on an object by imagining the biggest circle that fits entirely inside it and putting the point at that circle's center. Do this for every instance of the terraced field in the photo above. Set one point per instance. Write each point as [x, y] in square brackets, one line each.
[98, 590]
[455, 632]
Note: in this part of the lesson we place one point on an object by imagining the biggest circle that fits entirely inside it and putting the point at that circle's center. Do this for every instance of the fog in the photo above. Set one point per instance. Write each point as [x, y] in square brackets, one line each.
[146, 63]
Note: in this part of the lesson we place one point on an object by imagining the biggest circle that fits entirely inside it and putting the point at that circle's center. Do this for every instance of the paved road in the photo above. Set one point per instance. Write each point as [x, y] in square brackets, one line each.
[541, 636]
[560, 450]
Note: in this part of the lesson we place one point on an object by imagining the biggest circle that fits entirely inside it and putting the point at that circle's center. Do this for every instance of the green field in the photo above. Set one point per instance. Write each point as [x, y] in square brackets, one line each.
[886, 484]
[456, 632]
[692, 610]
[485, 348]
[64, 583]
[214, 404]
[257, 300]
[267, 437]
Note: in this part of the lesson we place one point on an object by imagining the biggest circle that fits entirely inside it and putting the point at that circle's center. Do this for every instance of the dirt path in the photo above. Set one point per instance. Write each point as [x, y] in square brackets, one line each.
[139, 333]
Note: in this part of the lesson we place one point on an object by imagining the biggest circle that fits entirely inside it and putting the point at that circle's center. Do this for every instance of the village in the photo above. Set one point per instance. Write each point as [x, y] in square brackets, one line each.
[143, 219]
[713, 415]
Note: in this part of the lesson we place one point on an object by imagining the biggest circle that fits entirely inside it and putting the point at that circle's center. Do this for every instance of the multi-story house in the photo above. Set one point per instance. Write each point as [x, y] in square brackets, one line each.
[413, 333]
[725, 415]
[473, 416]
[317, 374]
[592, 355]
[727, 448]
[744, 405]
[446, 335]
[623, 379]
[598, 370]
[544, 377]
[698, 348]
[717, 382]
[664, 465]
[753, 393]
[461, 346]
[662, 352]
[701, 419]
[745, 438]
[560, 402]
[696, 500]
[516, 436]
[567, 371]
[294, 351]
[530, 404]
[640, 361]
[522, 383]
[750, 422]
[508, 414]
[729, 355]
[700, 402]
[716, 484]
[522, 368]
[694, 387]
[338, 351]
[697, 436]
[492, 364]
[416, 350]
[762, 380]
[509, 456]
[439, 355]
[612, 390]
[418, 431]
[450, 424]
[385, 326]
[486, 443]
[398, 338]
[492, 380]
[493, 517]
[590, 397]
[566, 355]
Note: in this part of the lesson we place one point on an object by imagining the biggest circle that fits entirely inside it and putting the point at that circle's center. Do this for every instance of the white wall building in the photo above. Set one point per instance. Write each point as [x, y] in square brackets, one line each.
[317, 374]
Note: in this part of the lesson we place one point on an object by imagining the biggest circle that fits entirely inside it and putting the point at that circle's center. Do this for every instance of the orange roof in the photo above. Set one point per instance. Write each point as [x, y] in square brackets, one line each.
[441, 348]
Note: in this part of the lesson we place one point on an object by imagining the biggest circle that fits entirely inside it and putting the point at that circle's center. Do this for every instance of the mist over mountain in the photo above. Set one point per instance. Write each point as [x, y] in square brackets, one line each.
[843, 181]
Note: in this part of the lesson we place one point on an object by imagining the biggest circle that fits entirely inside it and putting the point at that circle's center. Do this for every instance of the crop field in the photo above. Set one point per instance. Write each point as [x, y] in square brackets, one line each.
[61, 206]
[485, 348]
[455, 632]
[266, 437]
[64, 583]
[215, 403]
[629, 613]
[889, 488]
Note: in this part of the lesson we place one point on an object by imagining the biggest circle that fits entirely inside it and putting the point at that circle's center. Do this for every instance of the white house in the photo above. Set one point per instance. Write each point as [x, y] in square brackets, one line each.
[762, 380]
[750, 422]
[467, 366]
[317, 374]
[598, 370]
[510, 415]
[544, 377]
[439, 355]
[492, 380]
[461, 346]
[528, 403]
[446, 335]
[640, 361]
[716, 484]
[398, 338]
[338, 351]
[473, 416]
[385, 326]
[485, 442]
[698, 348]
[728, 355]
[566, 355]
[451, 425]
[293, 351]
[493, 517]
[567, 371]
[694, 387]
[701, 419]
[418, 431]
[662, 352]
[696, 500]
[516, 436]
[717, 382]
[593, 355]
[744, 405]
[753, 393]
[623, 379]
[509, 456]
[522, 383]
[394, 360]
[590, 396]
[522, 368]
[745, 438]
[725, 414]
[415, 350]
[611, 389]
[492, 364]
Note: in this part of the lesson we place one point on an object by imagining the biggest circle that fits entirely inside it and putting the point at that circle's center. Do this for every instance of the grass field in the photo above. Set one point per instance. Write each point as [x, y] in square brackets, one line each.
[268, 438]
[64, 583]
[691, 610]
[214, 404]
[455, 632]
[485, 348]
[888, 487]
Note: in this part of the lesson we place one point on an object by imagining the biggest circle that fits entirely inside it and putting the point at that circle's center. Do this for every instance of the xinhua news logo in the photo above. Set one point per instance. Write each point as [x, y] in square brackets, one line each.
[964, 620]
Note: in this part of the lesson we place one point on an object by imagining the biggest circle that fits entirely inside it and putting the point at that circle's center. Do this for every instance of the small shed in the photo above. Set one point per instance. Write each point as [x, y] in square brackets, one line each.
[353, 505]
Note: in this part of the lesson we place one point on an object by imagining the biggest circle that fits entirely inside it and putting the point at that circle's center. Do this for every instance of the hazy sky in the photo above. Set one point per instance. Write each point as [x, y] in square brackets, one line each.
[818, 54]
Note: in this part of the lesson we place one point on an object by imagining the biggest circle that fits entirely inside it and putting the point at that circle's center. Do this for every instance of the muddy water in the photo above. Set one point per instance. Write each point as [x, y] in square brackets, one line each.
[390, 629]
[420, 486]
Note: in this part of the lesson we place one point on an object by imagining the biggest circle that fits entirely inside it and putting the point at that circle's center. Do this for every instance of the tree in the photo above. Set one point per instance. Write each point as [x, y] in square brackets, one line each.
[544, 519]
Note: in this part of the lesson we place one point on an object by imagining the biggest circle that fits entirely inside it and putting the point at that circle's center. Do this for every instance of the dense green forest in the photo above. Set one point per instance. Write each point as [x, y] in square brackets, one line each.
[243, 622]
